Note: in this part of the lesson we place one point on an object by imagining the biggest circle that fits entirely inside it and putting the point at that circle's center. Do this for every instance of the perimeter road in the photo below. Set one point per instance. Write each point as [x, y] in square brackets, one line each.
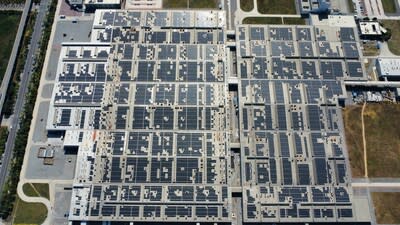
[23, 89]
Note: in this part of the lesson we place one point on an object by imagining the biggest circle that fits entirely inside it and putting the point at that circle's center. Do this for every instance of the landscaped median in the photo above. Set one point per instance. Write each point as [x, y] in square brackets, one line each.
[12, 89]
[8, 197]
[389, 6]
[193, 4]
[9, 192]
[274, 20]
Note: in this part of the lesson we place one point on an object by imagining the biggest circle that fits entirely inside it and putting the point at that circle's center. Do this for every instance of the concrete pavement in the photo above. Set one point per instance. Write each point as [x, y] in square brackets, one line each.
[384, 50]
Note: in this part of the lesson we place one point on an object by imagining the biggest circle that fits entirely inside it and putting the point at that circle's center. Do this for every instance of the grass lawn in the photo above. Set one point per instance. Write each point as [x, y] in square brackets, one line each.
[389, 6]
[12, 1]
[262, 20]
[247, 5]
[382, 135]
[29, 213]
[294, 21]
[394, 42]
[351, 6]
[273, 20]
[36, 190]
[276, 6]
[387, 207]
[9, 22]
[194, 4]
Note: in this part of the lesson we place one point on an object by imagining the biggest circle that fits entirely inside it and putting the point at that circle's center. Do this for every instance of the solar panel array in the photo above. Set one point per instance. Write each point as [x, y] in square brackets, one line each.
[293, 167]
[146, 104]
[156, 93]
[302, 52]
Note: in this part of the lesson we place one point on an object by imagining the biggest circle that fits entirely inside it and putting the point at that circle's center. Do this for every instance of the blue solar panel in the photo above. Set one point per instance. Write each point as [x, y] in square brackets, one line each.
[287, 172]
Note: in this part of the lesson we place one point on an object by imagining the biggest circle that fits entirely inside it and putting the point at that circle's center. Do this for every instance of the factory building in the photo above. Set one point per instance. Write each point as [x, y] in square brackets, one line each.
[150, 108]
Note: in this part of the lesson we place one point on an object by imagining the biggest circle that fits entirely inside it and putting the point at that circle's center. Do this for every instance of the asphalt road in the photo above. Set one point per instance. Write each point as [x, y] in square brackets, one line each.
[232, 8]
[23, 89]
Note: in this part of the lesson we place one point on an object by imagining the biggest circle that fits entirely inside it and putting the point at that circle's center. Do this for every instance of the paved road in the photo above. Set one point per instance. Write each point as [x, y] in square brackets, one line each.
[232, 7]
[23, 89]
[13, 56]
[373, 83]
[377, 184]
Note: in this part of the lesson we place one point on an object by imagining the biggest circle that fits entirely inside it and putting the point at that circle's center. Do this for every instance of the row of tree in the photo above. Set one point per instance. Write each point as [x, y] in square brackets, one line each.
[3, 139]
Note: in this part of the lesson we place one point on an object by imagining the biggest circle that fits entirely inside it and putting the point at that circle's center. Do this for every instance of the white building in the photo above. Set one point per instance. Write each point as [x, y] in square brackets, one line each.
[143, 4]
[388, 68]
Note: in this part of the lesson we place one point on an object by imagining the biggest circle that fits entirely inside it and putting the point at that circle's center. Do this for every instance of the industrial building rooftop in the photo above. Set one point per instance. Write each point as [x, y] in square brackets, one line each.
[149, 105]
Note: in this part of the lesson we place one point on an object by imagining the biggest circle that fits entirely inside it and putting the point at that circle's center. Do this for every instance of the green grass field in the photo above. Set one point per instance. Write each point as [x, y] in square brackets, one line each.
[194, 4]
[394, 41]
[294, 21]
[382, 135]
[387, 207]
[262, 20]
[389, 6]
[36, 190]
[247, 5]
[12, 1]
[276, 6]
[273, 20]
[351, 6]
[9, 22]
[29, 213]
